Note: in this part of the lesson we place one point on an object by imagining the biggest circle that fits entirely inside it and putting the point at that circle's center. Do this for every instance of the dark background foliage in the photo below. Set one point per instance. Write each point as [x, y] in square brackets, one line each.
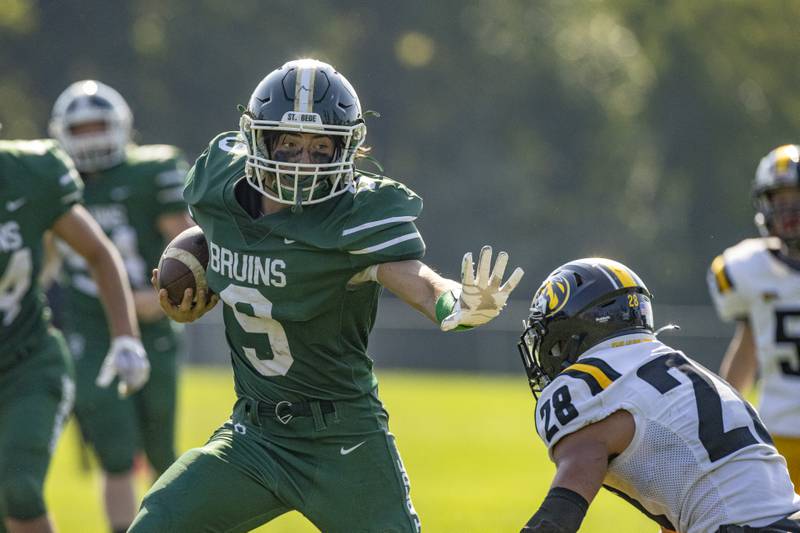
[552, 129]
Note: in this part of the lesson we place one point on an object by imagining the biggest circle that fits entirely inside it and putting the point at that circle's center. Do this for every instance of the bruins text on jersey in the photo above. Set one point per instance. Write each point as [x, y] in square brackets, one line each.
[619, 409]
[300, 244]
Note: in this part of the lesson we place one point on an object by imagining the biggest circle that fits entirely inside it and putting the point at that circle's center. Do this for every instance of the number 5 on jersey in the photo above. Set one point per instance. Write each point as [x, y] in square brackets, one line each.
[253, 312]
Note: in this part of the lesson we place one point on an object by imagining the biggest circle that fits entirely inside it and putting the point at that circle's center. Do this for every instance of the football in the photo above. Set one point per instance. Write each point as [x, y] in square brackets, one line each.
[183, 265]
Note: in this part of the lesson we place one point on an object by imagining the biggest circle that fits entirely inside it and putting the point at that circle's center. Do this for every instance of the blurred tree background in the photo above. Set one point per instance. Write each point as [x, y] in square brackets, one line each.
[552, 128]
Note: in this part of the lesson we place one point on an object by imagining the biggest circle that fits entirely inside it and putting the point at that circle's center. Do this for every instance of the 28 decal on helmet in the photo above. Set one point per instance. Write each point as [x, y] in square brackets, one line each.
[579, 305]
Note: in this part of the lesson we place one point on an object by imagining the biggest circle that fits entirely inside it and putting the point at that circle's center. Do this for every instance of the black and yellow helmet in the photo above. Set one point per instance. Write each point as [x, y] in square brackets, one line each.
[579, 305]
[779, 169]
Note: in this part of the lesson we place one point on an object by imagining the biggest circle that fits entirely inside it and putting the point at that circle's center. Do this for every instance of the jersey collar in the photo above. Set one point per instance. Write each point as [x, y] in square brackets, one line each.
[619, 342]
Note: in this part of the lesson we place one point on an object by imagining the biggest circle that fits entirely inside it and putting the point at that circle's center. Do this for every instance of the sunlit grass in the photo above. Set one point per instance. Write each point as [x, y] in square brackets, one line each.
[467, 441]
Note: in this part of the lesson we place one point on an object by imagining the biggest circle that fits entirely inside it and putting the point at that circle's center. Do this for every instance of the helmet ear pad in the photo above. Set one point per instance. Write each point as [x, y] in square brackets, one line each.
[561, 345]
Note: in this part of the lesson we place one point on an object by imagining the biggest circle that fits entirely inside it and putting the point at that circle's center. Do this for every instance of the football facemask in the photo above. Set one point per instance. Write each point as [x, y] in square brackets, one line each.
[299, 183]
[528, 346]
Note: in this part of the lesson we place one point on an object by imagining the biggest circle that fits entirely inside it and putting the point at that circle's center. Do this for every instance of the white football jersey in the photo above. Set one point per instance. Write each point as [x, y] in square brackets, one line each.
[751, 281]
[700, 456]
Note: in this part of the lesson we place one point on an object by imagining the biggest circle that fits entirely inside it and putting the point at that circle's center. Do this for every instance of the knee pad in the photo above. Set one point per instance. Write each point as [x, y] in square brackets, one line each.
[21, 496]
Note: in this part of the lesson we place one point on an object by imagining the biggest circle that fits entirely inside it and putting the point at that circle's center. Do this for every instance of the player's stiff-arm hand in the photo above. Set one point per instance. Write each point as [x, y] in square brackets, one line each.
[188, 310]
[482, 294]
[479, 298]
[126, 358]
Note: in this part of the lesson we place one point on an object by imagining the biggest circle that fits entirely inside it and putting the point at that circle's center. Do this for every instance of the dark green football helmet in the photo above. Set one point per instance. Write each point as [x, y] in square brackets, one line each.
[303, 96]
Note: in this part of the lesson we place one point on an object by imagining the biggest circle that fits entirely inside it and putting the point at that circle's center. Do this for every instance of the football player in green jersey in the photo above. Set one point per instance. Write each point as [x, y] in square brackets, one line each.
[300, 244]
[39, 192]
[134, 193]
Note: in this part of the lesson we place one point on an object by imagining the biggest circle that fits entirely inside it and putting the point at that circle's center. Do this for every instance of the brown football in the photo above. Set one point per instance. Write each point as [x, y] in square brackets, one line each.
[183, 265]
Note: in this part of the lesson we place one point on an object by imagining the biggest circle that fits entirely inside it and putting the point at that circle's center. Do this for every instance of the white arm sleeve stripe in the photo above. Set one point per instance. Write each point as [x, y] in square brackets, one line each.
[387, 244]
[375, 223]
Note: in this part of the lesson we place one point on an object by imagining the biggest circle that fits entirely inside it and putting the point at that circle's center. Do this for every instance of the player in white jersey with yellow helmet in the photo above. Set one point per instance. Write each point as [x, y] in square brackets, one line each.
[757, 284]
[619, 409]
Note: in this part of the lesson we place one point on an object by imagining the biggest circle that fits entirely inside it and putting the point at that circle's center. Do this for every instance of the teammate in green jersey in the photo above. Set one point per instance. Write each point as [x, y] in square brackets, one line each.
[300, 244]
[39, 192]
[134, 193]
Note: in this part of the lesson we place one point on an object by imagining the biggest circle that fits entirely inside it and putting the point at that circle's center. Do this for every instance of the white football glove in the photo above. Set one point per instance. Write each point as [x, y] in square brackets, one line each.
[127, 360]
[482, 297]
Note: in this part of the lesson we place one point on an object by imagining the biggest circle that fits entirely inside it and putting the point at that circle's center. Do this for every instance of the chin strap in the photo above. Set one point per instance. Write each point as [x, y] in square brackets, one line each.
[573, 345]
[297, 208]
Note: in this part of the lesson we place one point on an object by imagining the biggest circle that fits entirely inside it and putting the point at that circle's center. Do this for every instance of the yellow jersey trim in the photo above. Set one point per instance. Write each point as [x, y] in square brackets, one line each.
[721, 275]
[602, 379]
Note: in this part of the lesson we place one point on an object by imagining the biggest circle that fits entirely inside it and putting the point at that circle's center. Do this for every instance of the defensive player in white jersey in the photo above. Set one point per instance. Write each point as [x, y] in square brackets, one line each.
[619, 409]
[757, 284]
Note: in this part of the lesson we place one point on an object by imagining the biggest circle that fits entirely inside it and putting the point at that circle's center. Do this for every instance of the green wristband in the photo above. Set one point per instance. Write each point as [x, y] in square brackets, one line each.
[444, 308]
[445, 305]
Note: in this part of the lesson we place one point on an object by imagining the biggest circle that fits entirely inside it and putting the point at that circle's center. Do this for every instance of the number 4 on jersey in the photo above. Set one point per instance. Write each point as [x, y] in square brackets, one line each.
[14, 284]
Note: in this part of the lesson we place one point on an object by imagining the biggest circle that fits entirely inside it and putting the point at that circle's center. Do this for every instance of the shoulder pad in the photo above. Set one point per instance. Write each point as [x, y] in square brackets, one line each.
[46, 174]
[43, 161]
[223, 158]
[751, 257]
[380, 224]
[155, 153]
[38, 156]
[33, 147]
[749, 249]
[720, 276]
[574, 400]
[376, 195]
[157, 165]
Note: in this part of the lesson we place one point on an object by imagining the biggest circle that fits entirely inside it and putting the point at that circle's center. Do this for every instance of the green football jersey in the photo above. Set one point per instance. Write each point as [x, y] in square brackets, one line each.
[126, 201]
[296, 324]
[38, 184]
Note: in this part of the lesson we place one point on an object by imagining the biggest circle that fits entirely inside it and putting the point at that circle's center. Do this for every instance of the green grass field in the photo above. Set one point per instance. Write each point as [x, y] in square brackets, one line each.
[468, 443]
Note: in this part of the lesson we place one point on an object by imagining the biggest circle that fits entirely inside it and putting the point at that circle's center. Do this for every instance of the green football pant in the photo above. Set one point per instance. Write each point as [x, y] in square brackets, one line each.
[119, 427]
[341, 470]
[36, 394]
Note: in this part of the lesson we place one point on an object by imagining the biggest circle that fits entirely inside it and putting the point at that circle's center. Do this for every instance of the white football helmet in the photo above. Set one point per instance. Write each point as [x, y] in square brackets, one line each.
[85, 102]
